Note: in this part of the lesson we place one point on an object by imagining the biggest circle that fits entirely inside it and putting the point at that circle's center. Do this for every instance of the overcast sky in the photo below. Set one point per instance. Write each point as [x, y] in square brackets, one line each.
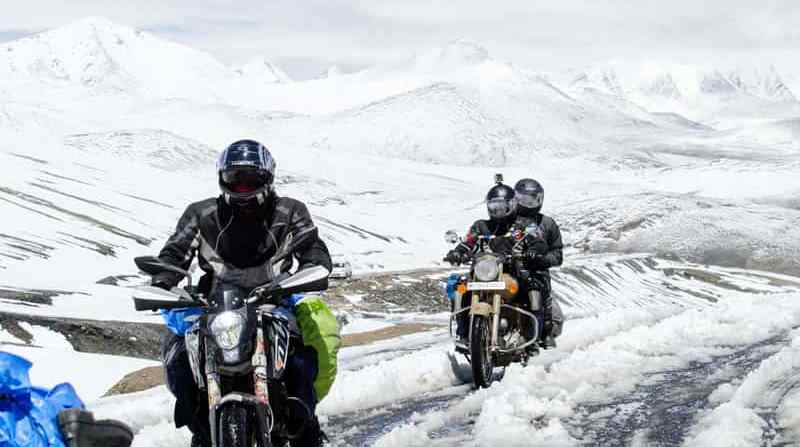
[307, 36]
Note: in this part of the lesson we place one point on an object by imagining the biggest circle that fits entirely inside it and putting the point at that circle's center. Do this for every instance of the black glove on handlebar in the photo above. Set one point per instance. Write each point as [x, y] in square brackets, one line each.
[536, 261]
[164, 280]
[454, 257]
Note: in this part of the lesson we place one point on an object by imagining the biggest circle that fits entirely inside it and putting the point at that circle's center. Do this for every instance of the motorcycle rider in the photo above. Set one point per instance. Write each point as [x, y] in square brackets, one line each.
[235, 235]
[544, 252]
[519, 209]
[502, 209]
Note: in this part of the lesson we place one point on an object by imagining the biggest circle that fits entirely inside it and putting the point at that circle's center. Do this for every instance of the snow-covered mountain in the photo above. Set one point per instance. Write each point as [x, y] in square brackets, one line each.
[684, 82]
[332, 72]
[261, 70]
[698, 91]
[449, 117]
[99, 54]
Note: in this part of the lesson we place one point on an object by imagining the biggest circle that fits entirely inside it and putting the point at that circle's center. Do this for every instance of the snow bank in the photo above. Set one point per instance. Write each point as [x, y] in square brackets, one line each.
[737, 421]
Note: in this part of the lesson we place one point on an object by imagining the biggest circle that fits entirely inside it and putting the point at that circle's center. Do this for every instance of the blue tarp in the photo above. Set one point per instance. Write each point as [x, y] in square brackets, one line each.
[452, 282]
[29, 414]
[181, 320]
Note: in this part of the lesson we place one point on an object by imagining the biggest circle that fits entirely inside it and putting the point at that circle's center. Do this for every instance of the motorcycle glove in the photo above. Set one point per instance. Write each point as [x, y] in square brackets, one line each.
[164, 280]
[537, 261]
[453, 257]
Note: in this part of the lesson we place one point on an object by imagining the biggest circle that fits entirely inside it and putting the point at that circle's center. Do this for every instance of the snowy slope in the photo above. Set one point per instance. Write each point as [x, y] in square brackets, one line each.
[260, 70]
[448, 113]
[95, 52]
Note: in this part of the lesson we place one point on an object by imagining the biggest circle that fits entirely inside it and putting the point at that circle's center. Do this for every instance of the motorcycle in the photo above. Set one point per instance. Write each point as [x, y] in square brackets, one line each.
[501, 323]
[238, 351]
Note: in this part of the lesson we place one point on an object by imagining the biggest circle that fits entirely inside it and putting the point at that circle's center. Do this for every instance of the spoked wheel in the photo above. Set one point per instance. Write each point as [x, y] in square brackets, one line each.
[235, 429]
[480, 352]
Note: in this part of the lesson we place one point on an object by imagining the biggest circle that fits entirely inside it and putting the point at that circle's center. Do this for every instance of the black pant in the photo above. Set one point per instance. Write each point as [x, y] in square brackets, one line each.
[191, 405]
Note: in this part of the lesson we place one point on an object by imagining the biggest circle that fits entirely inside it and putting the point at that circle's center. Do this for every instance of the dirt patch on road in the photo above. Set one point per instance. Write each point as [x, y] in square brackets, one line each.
[419, 291]
[365, 338]
[153, 376]
[140, 380]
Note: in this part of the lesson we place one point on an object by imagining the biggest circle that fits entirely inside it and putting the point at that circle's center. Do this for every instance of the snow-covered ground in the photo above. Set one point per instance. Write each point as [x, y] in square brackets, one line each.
[646, 369]
[676, 189]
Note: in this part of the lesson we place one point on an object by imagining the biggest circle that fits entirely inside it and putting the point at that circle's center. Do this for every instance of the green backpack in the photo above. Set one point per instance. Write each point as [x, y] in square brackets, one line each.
[320, 330]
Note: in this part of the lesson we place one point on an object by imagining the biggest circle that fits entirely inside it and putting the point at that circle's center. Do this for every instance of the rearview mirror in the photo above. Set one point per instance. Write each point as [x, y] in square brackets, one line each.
[153, 266]
[451, 237]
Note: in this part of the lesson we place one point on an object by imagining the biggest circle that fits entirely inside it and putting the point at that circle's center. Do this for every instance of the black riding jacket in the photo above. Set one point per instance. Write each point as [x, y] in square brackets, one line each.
[543, 236]
[236, 248]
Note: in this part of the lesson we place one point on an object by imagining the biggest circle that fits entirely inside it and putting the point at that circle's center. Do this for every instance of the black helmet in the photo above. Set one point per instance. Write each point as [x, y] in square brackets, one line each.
[530, 195]
[246, 171]
[500, 202]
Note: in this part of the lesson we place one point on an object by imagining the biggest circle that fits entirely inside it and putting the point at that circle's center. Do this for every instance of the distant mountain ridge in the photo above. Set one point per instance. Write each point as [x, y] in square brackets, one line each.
[683, 82]
[98, 53]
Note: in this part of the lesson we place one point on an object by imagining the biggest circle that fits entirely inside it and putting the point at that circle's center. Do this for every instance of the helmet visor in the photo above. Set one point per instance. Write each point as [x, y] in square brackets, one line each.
[244, 180]
[500, 207]
[530, 200]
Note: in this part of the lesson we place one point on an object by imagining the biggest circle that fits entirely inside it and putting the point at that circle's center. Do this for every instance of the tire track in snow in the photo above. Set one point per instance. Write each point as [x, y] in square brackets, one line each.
[760, 410]
[662, 413]
[453, 416]
[363, 428]
[543, 406]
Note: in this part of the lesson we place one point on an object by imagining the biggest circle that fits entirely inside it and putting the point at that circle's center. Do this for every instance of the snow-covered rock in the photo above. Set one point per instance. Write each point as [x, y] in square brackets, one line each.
[260, 70]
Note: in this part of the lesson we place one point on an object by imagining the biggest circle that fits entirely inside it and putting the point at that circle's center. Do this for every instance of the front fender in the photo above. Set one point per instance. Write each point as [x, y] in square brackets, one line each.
[478, 308]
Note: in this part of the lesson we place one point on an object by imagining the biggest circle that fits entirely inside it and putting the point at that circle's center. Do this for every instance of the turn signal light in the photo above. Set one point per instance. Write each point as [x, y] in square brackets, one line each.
[512, 286]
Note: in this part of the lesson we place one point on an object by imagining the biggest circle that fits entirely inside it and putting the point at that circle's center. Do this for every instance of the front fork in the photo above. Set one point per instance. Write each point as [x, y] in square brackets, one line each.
[278, 328]
[260, 388]
[213, 388]
[496, 303]
[487, 310]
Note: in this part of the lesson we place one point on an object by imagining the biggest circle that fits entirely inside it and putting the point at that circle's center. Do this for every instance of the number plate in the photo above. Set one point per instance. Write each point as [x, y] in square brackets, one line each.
[493, 285]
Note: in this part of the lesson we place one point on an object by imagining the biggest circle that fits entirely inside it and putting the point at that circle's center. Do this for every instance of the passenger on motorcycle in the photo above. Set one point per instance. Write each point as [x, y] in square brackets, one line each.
[235, 236]
[545, 251]
[519, 209]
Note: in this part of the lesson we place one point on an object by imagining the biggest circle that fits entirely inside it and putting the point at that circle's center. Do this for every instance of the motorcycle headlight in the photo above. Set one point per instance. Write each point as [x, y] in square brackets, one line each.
[227, 329]
[486, 269]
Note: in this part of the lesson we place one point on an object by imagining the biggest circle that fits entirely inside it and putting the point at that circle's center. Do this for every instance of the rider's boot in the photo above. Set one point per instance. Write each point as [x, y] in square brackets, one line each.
[312, 435]
[199, 441]
[549, 342]
[546, 338]
[462, 331]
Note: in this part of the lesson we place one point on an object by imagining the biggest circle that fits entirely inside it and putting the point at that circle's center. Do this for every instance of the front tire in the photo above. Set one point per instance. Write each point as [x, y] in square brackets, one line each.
[480, 351]
[234, 429]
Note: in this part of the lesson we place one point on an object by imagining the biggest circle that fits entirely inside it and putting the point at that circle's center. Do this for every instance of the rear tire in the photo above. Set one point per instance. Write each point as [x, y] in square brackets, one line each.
[480, 352]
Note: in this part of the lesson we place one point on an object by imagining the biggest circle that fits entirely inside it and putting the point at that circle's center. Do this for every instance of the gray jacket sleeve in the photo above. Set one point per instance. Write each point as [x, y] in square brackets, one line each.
[554, 256]
[311, 250]
[182, 245]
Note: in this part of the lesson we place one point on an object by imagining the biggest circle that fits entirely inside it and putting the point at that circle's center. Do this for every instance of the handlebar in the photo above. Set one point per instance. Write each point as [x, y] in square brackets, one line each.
[261, 295]
[146, 304]
[310, 279]
[502, 256]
